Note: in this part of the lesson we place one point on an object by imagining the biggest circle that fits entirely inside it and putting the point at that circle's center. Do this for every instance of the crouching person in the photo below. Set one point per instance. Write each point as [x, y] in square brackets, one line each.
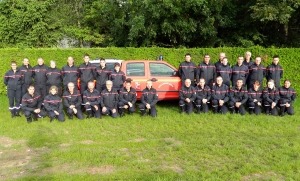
[255, 98]
[53, 105]
[149, 99]
[73, 101]
[220, 96]
[31, 105]
[109, 100]
[271, 98]
[238, 97]
[91, 99]
[287, 98]
[127, 98]
[187, 95]
[203, 95]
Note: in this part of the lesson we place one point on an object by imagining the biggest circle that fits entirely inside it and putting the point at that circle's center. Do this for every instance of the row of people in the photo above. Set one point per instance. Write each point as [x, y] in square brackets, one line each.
[221, 97]
[106, 102]
[246, 69]
[18, 79]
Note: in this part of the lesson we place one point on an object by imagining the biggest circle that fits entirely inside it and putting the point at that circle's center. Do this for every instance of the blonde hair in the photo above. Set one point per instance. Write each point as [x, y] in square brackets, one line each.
[53, 87]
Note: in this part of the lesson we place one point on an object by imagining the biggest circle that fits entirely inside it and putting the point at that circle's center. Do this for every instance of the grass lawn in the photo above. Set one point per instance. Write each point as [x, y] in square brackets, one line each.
[169, 147]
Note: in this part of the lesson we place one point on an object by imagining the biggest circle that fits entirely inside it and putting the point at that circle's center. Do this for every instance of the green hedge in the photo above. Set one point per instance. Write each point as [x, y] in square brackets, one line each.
[289, 57]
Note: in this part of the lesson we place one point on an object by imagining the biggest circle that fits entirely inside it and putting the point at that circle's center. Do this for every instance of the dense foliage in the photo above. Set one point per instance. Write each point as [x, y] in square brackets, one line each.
[164, 23]
[289, 58]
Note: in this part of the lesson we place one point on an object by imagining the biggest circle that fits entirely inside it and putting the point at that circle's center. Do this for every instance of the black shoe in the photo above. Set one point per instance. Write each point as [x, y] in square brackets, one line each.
[70, 117]
[282, 114]
[89, 116]
[13, 115]
[122, 114]
[51, 119]
[29, 120]
[144, 114]
[232, 112]
[17, 114]
[34, 117]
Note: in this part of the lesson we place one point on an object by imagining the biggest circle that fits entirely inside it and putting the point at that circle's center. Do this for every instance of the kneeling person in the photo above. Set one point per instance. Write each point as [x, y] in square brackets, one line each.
[238, 97]
[127, 98]
[91, 99]
[187, 95]
[287, 98]
[203, 95]
[109, 100]
[31, 105]
[220, 95]
[271, 98]
[149, 99]
[73, 100]
[255, 98]
[53, 105]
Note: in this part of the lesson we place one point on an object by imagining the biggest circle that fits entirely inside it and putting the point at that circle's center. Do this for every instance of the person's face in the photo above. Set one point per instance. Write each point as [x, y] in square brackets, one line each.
[71, 87]
[240, 60]
[256, 87]
[187, 58]
[247, 55]
[287, 84]
[149, 84]
[219, 81]
[206, 59]
[270, 85]
[70, 61]
[30, 90]
[225, 61]
[221, 56]
[40, 61]
[102, 63]
[109, 86]
[202, 82]
[53, 91]
[275, 61]
[187, 83]
[257, 60]
[127, 86]
[13, 66]
[117, 68]
[86, 59]
[239, 83]
[91, 86]
[26, 61]
[52, 65]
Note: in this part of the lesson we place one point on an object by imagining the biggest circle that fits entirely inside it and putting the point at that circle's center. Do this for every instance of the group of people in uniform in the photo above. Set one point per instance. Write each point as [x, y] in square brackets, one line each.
[38, 91]
[221, 86]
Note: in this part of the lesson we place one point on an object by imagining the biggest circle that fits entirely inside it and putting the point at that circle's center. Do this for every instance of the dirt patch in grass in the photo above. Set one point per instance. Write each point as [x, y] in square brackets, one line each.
[174, 168]
[105, 169]
[263, 176]
[87, 142]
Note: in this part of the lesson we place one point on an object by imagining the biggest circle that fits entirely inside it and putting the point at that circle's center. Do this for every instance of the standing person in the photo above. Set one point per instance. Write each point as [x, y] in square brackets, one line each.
[73, 100]
[187, 70]
[26, 70]
[239, 71]
[117, 77]
[54, 77]
[248, 60]
[257, 72]
[224, 70]
[219, 63]
[287, 98]
[53, 105]
[238, 97]
[40, 78]
[255, 98]
[220, 95]
[127, 98]
[271, 98]
[91, 99]
[109, 100]
[70, 73]
[31, 105]
[149, 99]
[13, 79]
[203, 95]
[206, 70]
[102, 75]
[187, 95]
[87, 73]
[275, 71]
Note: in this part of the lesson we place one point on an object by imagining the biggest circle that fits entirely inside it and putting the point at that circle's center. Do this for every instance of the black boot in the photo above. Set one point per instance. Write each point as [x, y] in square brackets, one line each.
[90, 114]
[17, 113]
[29, 120]
[143, 113]
[181, 109]
[121, 111]
[70, 116]
[232, 110]
[282, 110]
[35, 116]
[251, 111]
[267, 110]
[215, 109]
[52, 118]
[198, 110]
[13, 113]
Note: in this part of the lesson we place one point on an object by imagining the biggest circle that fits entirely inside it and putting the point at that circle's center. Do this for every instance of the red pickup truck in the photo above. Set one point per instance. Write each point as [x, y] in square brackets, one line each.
[168, 82]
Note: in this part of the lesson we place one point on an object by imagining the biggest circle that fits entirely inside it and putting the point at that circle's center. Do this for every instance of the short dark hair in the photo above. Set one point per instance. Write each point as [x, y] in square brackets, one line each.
[13, 62]
[275, 56]
[86, 55]
[188, 54]
[287, 80]
[117, 64]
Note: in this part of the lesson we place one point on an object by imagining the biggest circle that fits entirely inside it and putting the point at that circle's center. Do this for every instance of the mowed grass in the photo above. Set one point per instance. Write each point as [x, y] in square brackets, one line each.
[168, 147]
